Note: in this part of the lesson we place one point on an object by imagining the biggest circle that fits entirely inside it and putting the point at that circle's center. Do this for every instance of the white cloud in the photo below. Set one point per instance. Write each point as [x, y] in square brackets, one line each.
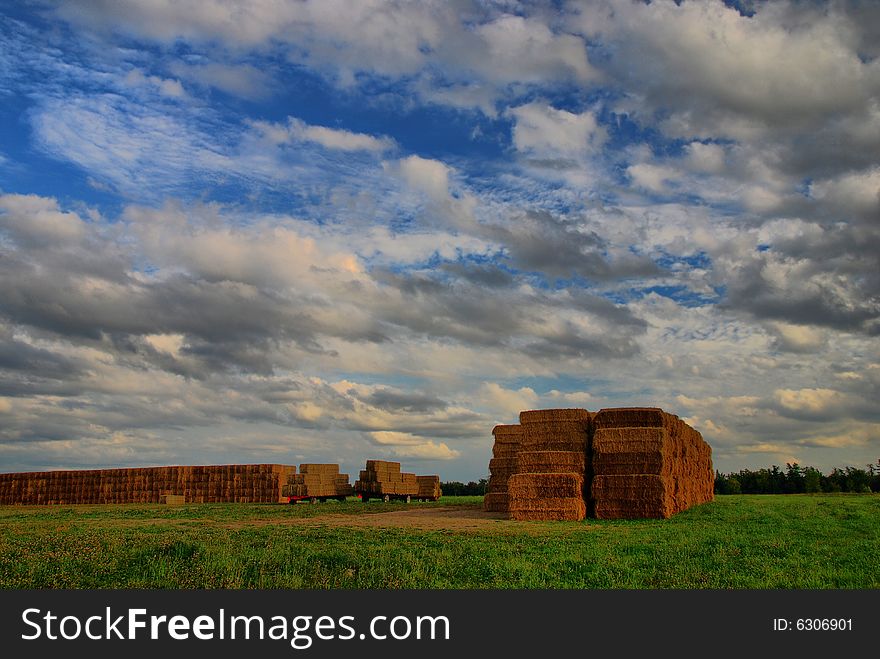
[654, 178]
[508, 402]
[426, 175]
[544, 131]
[165, 86]
[851, 194]
[798, 338]
[242, 80]
[297, 130]
[812, 400]
[35, 221]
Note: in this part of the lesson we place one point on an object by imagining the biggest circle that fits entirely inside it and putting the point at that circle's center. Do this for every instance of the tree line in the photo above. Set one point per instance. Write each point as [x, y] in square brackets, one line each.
[795, 479]
[470, 489]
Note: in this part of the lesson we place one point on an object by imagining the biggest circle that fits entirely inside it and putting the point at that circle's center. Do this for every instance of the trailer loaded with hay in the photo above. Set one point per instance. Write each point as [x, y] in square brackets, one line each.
[383, 480]
[317, 483]
[619, 463]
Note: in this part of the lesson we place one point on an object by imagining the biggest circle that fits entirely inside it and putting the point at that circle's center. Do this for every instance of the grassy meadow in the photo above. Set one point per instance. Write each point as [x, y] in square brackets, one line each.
[742, 541]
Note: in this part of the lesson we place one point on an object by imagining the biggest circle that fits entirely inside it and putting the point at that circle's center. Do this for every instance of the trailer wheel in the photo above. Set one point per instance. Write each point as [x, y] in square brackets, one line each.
[313, 500]
[407, 498]
[386, 498]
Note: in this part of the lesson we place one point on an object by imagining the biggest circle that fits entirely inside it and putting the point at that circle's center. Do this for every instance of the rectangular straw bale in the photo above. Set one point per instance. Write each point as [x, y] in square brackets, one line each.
[562, 427]
[554, 415]
[502, 464]
[507, 434]
[534, 486]
[323, 469]
[629, 417]
[544, 503]
[496, 502]
[505, 450]
[574, 512]
[579, 445]
[550, 462]
[375, 465]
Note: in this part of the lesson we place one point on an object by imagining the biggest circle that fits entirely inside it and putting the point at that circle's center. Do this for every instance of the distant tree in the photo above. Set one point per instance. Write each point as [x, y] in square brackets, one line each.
[812, 480]
[794, 478]
[459, 489]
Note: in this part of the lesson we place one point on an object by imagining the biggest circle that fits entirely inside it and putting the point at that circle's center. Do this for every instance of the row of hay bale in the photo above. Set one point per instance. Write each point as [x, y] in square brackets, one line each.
[562, 464]
[259, 483]
[383, 479]
[318, 481]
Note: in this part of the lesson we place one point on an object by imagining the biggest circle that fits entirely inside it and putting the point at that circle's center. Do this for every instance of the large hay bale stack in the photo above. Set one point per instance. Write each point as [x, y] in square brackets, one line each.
[502, 465]
[318, 480]
[381, 478]
[197, 484]
[647, 463]
[555, 442]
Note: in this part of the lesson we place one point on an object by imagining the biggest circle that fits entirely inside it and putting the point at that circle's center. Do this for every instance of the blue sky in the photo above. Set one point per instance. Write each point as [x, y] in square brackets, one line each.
[325, 231]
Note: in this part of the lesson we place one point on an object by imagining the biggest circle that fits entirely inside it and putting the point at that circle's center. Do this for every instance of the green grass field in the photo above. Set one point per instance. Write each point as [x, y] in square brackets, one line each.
[794, 541]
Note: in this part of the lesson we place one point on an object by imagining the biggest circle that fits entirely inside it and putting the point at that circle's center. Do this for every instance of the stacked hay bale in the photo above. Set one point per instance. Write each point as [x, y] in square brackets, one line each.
[647, 463]
[502, 466]
[551, 465]
[429, 487]
[384, 480]
[259, 483]
[318, 481]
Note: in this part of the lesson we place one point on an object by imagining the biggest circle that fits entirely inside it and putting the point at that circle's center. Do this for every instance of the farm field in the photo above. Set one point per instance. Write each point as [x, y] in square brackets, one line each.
[758, 541]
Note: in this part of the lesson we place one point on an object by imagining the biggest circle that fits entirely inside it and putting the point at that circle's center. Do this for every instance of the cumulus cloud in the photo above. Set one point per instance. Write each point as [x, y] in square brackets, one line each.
[543, 131]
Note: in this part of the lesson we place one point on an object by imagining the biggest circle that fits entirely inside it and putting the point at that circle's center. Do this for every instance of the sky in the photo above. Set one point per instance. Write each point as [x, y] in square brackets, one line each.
[325, 231]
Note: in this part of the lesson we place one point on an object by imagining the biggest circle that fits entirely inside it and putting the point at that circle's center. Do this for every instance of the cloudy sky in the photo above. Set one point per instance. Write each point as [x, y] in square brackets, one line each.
[287, 231]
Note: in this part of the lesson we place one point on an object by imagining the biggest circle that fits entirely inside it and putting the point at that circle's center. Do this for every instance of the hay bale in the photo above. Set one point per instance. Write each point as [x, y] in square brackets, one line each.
[575, 513]
[550, 462]
[507, 434]
[322, 469]
[554, 415]
[629, 417]
[539, 486]
[496, 502]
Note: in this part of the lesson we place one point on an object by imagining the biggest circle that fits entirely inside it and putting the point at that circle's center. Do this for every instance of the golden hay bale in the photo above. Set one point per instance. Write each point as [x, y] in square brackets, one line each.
[536, 486]
[554, 415]
[574, 512]
[377, 465]
[625, 438]
[629, 417]
[565, 445]
[507, 434]
[319, 469]
[495, 502]
[544, 503]
[550, 462]
[502, 464]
